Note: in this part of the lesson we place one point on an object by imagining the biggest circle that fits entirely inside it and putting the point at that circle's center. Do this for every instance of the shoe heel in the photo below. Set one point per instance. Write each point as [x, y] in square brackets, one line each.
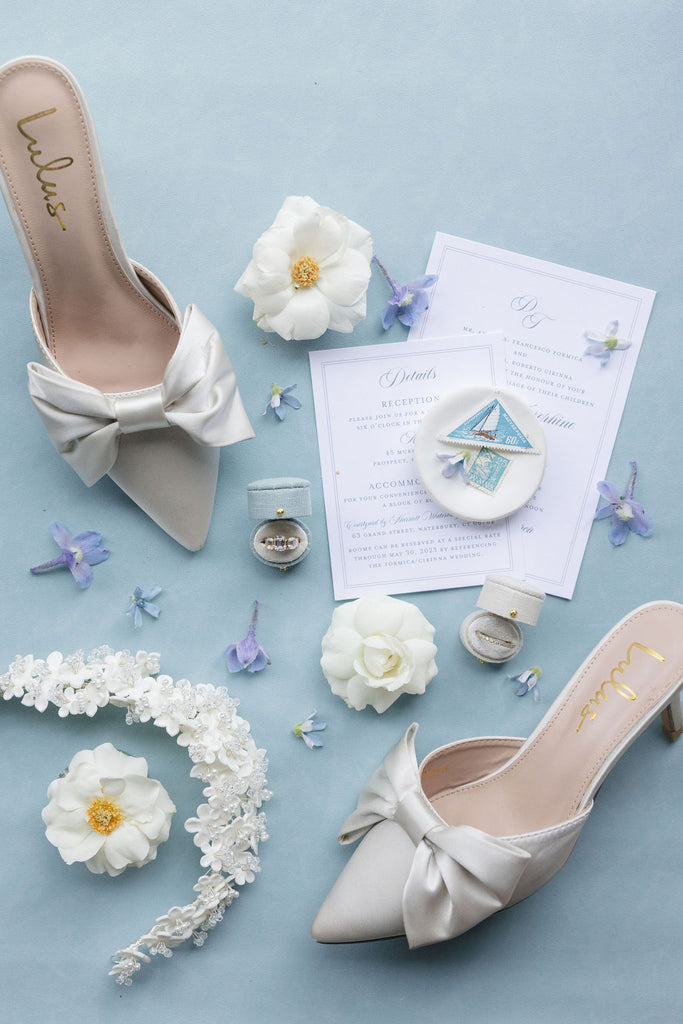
[672, 718]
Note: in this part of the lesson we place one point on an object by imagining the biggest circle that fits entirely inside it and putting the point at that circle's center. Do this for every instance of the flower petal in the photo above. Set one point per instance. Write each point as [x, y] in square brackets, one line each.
[608, 491]
[346, 281]
[126, 845]
[113, 763]
[305, 317]
[60, 534]
[233, 662]
[320, 234]
[259, 662]
[82, 573]
[618, 531]
[389, 314]
[642, 524]
[87, 541]
[379, 615]
[90, 842]
[425, 281]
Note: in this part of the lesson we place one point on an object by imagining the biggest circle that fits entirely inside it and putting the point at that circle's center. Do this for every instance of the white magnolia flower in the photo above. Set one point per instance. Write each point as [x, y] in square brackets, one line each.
[309, 273]
[106, 812]
[376, 649]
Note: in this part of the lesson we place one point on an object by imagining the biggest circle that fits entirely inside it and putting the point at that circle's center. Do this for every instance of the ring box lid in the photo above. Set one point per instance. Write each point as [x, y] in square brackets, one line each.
[281, 497]
[511, 599]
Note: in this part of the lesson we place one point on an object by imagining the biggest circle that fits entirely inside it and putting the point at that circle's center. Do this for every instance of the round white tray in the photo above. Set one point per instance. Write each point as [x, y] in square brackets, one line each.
[452, 493]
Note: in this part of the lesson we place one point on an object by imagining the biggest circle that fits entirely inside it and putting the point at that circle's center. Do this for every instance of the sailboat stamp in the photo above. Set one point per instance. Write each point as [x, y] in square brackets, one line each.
[491, 426]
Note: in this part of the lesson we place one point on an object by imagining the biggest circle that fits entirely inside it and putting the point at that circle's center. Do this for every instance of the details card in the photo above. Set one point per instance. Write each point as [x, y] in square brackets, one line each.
[385, 534]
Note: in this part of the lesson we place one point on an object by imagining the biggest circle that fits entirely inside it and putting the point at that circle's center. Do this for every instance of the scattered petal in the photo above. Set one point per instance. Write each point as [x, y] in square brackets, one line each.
[601, 346]
[141, 601]
[527, 680]
[307, 730]
[279, 398]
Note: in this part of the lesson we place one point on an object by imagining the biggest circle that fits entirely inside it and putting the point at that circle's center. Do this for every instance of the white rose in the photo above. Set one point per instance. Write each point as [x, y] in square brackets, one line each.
[376, 649]
[106, 812]
[309, 273]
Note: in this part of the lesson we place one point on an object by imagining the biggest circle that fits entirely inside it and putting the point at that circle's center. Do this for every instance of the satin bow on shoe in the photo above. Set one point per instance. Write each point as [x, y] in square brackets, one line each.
[198, 394]
[459, 875]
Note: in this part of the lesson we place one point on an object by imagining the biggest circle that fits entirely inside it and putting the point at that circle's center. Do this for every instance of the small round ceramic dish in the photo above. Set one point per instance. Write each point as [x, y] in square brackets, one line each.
[507, 446]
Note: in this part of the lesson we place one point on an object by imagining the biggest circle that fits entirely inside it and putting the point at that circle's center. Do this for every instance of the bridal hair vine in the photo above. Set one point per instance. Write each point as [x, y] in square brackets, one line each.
[228, 828]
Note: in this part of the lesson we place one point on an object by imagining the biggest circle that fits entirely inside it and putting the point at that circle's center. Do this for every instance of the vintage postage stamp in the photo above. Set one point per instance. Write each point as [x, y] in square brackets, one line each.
[487, 470]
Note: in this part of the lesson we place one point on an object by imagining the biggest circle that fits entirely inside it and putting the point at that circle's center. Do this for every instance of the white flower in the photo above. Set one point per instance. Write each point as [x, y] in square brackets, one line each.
[309, 273]
[376, 649]
[106, 812]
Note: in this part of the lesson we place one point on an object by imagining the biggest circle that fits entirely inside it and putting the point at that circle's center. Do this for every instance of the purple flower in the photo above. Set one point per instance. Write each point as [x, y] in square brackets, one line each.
[623, 512]
[307, 729]
[247, 653]
[603, 345]
[79, 553]
[455, 462]
[409, 301]
[281, 397]
[526, 681]
[142, 602]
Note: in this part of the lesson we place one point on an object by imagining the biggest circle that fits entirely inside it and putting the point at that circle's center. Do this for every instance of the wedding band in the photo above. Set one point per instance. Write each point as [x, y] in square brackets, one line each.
[280, 543]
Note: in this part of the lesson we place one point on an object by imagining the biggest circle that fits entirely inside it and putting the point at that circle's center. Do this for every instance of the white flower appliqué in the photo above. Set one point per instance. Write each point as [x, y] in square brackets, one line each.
[376, 649]
[309, 272]
[106, 812]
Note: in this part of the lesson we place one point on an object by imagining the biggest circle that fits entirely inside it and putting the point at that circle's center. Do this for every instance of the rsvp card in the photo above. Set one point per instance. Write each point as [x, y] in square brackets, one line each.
[544, 310]
[385, 533]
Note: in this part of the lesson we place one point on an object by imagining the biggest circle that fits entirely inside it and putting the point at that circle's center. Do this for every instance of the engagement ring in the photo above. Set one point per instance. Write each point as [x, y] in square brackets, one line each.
[280, 543]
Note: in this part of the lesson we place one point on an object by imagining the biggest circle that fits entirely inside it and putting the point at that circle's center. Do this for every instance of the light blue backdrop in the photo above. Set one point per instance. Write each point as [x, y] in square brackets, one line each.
[549, 128]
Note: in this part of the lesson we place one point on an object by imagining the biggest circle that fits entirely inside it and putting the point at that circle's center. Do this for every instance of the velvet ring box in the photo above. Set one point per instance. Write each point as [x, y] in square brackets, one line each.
[277, 504]
[493, 635]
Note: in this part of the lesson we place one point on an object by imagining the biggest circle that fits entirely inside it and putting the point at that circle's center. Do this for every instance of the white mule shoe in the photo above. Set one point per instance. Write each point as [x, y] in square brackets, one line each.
[450, 843]
[129, 387]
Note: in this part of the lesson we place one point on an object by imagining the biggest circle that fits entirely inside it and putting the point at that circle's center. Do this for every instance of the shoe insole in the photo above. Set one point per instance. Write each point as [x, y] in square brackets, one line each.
[102, 327]
[627, 676]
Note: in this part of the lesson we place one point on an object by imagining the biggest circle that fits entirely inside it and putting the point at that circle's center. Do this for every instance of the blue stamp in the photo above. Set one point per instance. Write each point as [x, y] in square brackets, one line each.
[492, 425]
[487, 470]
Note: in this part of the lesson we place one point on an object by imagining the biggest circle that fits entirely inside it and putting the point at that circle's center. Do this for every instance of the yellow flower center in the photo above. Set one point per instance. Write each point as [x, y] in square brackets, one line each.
[305, 272]
[104, 815]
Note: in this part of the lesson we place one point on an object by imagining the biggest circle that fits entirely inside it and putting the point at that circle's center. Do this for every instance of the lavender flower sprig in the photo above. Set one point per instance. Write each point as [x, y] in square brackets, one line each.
[247, 653]
[408, 301]
[78, 553]
[623, 512]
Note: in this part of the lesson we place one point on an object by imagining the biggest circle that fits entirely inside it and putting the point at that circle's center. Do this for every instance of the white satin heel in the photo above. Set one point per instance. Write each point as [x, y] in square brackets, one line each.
[129, 386]
[464, 835]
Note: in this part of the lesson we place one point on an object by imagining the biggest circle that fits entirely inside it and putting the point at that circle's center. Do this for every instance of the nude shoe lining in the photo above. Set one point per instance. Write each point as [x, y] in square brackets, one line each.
[103, 328]
[559, 767]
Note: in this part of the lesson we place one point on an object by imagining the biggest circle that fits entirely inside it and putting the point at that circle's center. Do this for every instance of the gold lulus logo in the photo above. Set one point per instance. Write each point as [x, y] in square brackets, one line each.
[590, 710]
[45, 169]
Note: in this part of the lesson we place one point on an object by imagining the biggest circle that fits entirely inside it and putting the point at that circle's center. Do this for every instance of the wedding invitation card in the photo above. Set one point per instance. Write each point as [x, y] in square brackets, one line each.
[385, 534]
[544, 311]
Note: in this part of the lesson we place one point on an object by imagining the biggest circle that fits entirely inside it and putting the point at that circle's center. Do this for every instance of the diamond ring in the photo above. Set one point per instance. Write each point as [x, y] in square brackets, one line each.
[280, 543]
